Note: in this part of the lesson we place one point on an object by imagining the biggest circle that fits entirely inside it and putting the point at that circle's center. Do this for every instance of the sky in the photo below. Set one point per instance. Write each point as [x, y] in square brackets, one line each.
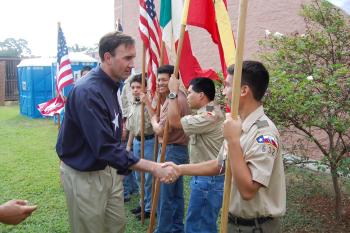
[83, 22]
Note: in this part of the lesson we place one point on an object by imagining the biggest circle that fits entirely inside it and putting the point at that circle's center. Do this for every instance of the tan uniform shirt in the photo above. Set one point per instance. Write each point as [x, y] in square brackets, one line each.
[205, 132]
[126, 97]
[133, 122]
[260, 142]
[176, 136]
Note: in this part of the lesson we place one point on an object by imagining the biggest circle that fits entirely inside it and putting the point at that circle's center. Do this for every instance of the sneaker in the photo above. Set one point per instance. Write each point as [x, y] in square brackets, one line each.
[147, 215]
[137, 210]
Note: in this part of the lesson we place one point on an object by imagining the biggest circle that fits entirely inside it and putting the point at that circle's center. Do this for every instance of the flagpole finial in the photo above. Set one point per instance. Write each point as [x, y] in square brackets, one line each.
[185, 12]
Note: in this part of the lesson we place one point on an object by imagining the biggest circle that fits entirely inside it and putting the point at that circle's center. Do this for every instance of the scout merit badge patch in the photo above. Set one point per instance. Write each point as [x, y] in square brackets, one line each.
[267, 140]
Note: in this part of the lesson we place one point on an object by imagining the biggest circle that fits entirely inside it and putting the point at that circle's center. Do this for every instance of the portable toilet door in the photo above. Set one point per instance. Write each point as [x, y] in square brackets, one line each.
[78, 61]
[34, 84]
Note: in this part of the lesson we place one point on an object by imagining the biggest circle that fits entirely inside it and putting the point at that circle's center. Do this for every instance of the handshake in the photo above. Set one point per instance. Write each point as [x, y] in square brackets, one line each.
[167, 172]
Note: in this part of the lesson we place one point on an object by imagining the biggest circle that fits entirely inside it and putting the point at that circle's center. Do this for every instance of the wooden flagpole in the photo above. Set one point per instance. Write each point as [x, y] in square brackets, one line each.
[58, 114]
[166, 129]
[143, 135]
[58, 120]
[234, 108]
[155, 147]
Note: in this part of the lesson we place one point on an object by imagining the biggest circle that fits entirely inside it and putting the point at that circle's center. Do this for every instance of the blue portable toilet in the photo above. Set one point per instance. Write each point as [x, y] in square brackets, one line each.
[78, 61]
[34, 84]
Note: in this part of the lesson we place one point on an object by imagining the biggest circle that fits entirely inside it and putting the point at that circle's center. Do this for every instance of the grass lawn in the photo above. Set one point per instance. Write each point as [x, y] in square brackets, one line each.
[29, 170]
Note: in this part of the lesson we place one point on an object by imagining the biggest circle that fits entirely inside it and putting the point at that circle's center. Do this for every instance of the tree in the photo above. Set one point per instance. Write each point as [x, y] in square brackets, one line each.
[77, 48]
[310, 85]
[11, 47]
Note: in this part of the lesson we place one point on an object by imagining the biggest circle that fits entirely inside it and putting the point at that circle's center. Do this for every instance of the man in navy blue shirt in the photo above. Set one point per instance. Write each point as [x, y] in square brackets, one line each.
[89, 143]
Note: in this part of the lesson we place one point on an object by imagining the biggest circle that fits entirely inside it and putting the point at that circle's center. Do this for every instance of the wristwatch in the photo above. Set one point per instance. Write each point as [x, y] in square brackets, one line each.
[172, 95]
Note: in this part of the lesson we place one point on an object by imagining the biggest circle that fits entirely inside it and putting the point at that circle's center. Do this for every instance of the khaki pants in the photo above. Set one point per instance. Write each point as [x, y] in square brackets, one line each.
[271, 226]
[95, 200]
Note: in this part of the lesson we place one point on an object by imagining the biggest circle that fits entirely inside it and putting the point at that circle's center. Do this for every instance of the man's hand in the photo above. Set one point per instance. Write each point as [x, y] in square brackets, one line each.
[154, 119]
[15, 211]
[174, 84]
[144, 98]
[232, 128]
[166, 174]
[175, 167]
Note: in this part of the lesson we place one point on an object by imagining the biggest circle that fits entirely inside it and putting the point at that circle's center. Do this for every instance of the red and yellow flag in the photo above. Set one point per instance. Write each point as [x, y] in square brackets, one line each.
[212, 15]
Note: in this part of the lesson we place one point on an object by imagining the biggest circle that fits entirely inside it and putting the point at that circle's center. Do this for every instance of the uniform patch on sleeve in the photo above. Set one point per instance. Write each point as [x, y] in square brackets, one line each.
[267, 140]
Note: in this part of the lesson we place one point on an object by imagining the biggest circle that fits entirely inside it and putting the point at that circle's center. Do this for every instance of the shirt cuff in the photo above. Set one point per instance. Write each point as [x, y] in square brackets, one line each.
[131, 161]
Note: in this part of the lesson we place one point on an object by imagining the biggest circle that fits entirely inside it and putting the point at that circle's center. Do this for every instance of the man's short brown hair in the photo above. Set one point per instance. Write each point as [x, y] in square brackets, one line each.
[109, 42]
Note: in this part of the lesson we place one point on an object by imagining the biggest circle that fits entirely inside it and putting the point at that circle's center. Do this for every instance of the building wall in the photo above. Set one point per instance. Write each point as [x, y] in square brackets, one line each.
[273, 15]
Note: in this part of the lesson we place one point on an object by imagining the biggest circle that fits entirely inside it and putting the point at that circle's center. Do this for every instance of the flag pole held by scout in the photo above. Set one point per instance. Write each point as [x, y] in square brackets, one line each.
[155, 148]
[234, 107]
[150, 33]
[143, 135]
[166, 129]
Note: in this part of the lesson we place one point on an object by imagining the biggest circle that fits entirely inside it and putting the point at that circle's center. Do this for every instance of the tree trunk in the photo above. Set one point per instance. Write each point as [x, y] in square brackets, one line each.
[337, 191]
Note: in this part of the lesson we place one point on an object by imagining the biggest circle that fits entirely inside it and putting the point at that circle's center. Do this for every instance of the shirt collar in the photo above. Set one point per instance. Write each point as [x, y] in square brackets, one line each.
[107, 78]
[252, 118]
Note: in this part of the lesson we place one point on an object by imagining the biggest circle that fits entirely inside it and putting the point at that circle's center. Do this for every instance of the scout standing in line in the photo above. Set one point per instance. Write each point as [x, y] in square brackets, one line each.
[258, 195]
[206, 138]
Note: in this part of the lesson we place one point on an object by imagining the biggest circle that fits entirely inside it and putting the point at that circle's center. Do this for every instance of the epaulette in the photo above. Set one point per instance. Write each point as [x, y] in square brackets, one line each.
[209, 108]
[261, 124]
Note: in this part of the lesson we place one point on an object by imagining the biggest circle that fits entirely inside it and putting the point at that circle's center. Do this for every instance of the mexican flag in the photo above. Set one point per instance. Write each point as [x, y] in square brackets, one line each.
[170, 21]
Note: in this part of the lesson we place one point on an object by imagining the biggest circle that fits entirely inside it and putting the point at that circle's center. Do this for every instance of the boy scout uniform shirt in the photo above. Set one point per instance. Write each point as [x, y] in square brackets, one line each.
[176, 136]
[133, 122]
[205, 132]
[126, 97]
[260, 143]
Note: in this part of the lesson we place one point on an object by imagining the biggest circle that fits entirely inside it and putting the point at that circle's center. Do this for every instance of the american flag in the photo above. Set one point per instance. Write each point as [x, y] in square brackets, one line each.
[151, 36]
[64, 77]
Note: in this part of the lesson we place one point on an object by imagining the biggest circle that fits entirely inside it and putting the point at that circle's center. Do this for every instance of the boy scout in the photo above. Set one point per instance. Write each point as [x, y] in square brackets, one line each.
[126, 98]
[258, 195]
[206, 138]
[171, 202]
[133, 125]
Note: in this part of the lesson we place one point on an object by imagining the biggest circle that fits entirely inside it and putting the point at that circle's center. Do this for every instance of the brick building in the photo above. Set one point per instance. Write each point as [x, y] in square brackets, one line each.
[272, 15]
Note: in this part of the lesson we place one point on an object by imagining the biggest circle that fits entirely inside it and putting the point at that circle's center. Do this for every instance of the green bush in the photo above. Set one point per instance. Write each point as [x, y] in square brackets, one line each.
[309, 87]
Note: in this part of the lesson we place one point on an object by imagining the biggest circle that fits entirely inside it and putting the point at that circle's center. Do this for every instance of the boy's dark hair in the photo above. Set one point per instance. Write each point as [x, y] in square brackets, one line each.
[138, 78]
[166, 69]
[109, 42]
[255, 76]
[85, 68]
[204, 85]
